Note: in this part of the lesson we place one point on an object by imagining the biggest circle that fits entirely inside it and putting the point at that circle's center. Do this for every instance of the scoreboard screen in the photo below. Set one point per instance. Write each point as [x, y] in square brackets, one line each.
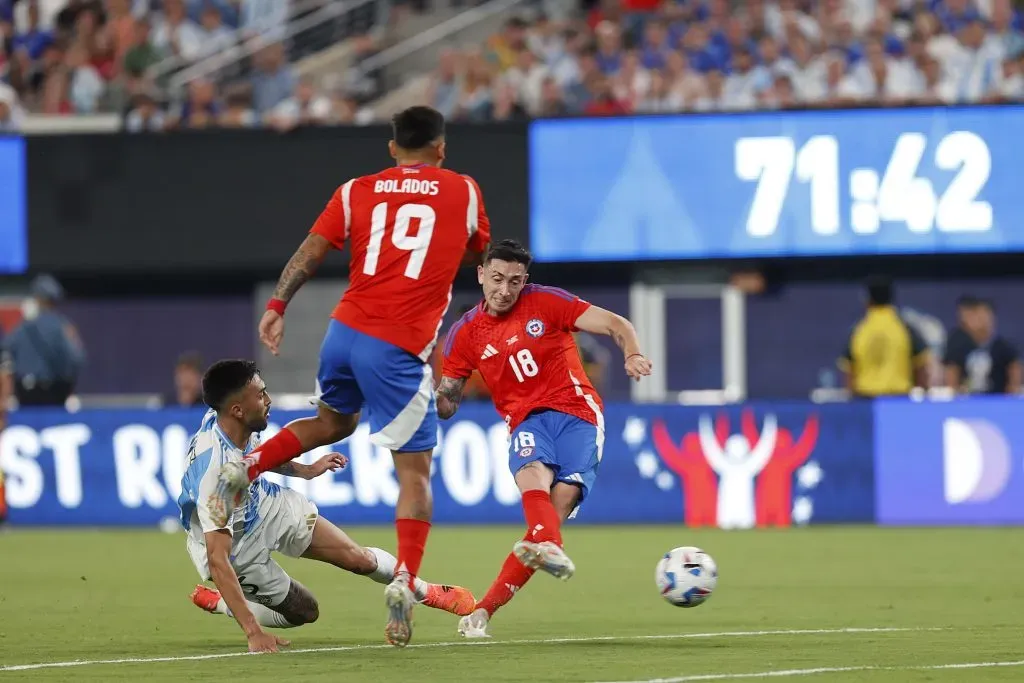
[13, 220]
[778, 184]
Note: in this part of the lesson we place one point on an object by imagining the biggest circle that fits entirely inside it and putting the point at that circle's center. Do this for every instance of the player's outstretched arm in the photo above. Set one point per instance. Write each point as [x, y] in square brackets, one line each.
[300, 268]
[449, 396]
[597, 320]
[218, 550]
[331, 462]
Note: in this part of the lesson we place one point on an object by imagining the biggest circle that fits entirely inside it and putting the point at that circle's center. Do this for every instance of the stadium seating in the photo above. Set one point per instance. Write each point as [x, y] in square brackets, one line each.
[610, 57]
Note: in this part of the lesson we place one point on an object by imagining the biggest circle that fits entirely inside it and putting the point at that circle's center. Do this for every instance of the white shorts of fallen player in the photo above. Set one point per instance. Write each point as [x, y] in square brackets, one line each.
[287, 527]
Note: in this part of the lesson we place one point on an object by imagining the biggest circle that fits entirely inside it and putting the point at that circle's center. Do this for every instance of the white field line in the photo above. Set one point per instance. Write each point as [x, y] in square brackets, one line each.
[469, 643]
[784, 673]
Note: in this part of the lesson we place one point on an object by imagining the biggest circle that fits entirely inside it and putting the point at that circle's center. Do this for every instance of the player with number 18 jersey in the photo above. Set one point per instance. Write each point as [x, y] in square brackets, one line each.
[520, 340]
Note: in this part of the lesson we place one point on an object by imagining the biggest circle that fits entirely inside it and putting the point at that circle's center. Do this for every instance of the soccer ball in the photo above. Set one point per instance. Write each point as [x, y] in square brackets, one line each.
[686, 576]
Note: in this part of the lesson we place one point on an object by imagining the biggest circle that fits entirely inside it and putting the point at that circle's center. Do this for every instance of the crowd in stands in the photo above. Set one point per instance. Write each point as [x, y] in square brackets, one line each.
[612, 57]
[649, 56]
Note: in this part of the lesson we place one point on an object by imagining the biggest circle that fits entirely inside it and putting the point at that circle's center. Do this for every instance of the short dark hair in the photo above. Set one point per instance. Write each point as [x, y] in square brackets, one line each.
[225, 378]
[417, 127]
[192, 360]
[879, 291]
[971, 301]
[509, 250]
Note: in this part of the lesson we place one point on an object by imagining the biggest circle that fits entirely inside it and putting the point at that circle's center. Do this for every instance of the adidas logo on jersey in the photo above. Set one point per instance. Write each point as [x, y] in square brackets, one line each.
[488, 352]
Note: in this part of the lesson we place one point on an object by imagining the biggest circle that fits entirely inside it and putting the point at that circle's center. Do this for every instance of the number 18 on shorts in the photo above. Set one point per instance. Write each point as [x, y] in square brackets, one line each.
[570, 446]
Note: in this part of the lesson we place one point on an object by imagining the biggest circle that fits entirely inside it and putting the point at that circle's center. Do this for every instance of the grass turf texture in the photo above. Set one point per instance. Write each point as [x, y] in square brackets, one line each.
[99, 595]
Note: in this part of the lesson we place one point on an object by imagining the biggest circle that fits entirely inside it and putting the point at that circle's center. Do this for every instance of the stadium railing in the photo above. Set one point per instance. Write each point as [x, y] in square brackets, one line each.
[314, 26]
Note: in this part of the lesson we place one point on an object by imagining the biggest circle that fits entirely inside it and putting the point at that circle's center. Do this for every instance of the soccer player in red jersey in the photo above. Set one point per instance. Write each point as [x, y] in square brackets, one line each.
[520, 340]
[408, 229]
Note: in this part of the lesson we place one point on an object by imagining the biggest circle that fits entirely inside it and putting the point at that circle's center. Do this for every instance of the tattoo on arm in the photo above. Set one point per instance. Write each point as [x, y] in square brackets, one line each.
[449, 395]
[288, 469]
[301, 266]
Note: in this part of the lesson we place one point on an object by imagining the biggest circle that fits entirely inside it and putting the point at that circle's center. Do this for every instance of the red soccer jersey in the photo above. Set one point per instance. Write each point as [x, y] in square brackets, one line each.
[527, 357]
[407, 228]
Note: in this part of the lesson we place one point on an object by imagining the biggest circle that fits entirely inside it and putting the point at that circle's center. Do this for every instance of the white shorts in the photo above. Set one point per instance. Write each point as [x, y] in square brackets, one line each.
[286, 527]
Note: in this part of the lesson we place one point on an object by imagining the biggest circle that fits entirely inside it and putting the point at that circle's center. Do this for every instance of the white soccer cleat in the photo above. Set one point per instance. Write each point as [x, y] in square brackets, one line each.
[474, 625]
[545, 557]
[399, 600]
[232, 490]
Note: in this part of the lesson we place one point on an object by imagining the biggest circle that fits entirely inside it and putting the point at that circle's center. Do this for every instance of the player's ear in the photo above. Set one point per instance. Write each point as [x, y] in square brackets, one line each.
[480, 274]
[393, 149]
[442, 150]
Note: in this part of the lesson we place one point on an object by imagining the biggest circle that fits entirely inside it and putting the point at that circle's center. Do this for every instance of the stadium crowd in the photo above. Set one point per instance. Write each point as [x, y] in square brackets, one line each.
[645, 56]
[613, 57]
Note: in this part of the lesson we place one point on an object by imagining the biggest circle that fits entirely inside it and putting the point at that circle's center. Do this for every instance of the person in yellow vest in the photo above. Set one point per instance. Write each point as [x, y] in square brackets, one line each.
[884, 355]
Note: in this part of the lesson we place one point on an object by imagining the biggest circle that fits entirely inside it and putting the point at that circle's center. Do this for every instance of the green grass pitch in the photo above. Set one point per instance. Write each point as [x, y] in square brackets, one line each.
[789, 604]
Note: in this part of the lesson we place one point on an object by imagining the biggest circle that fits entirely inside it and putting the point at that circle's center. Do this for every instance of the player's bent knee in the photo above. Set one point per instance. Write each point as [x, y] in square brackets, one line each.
[336, 426]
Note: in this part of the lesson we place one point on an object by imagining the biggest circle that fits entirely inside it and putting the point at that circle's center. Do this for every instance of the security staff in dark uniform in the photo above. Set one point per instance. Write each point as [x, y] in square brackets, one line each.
[45, 352]
[884, 355]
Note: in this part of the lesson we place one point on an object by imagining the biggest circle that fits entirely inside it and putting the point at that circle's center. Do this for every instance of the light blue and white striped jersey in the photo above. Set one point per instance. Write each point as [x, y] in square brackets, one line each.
[209, 449]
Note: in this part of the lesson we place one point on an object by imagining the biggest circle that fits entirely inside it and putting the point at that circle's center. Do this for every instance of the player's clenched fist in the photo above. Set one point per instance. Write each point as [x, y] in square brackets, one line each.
[272, 330]
[638, 366]
[262, 641]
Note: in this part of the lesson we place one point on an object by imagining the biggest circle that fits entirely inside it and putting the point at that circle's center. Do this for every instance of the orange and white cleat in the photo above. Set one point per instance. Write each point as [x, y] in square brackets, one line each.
[205, 598]
[454, 599]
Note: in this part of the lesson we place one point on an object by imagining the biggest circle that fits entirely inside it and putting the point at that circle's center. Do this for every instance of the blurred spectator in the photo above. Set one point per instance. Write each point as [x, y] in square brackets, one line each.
[86, 86]
[304, 108]
[33, 40]
[978, 360]
[214, 36]
[145, 115]
[121, 29]
[175, 34]
[552, 102]
[504, 47]
[10, 112]
[443, 91]
[504, 106]
[238, 111]
[201, 108]
[45, 351]
[975, 65]
[142, 53]
[188, 381]
[526, 79]
[602, 99]
[264, 17]
[880, 78]
[595, 358]
[884, 356]
[744, 85]
[273, 80]
[363, 81]
[475, 94]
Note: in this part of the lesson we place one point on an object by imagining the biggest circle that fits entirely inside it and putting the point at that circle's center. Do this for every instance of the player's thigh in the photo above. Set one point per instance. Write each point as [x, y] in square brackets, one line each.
[580, 446]
[290, 523]
[532, 445]
[398, 389]
[263, 580]
[333, 546]
[336, 381]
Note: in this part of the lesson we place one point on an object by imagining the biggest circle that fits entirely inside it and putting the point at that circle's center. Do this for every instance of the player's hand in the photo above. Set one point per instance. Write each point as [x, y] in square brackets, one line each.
[272, 330]
[332, 462]
[638, 366]
[266, 642]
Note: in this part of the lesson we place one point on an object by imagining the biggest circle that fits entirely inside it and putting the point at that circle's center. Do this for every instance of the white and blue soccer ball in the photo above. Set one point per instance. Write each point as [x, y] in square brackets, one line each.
[686, 576]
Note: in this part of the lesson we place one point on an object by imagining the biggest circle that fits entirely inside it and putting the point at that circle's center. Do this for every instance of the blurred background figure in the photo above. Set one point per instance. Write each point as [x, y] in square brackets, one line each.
[45, 352]
[884, 355]
[594, 356]
[188, 381]
[978, 360]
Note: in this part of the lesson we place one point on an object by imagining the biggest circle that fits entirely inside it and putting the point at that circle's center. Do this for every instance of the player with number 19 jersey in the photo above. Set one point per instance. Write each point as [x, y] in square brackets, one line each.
[407, 228]
[527, 357]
